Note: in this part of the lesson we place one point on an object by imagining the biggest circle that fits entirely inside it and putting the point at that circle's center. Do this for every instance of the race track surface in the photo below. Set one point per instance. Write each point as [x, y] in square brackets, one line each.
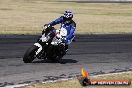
[98, 54]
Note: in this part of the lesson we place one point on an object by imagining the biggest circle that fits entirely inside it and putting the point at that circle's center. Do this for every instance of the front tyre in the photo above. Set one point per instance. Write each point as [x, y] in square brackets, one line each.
[30, 54]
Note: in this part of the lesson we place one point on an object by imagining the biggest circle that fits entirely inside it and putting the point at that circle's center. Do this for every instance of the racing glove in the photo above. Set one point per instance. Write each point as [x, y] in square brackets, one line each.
[46, 27]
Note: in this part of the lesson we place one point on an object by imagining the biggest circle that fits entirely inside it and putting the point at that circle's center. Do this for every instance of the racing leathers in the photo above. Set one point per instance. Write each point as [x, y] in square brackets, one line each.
[70, 26]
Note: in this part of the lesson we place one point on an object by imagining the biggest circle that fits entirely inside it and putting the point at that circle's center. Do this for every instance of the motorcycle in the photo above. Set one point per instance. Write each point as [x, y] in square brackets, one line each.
[51, 45]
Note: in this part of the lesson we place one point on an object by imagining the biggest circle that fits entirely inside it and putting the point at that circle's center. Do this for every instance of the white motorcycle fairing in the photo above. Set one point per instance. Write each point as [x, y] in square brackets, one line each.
[40, 48]
[60, 35]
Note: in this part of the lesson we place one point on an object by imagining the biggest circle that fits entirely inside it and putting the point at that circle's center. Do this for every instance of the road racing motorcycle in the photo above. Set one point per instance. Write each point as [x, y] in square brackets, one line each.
[50, 45]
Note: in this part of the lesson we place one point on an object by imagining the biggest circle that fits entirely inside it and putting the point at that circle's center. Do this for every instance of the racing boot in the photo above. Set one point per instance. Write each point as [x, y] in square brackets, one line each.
[66, 48]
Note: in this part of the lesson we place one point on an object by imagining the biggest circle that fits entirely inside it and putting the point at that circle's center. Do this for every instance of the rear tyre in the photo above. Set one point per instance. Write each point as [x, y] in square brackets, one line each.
[29, 56]
[56, 59]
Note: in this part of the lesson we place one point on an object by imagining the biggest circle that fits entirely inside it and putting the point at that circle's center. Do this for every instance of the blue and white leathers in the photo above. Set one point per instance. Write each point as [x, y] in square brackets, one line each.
[70, 26]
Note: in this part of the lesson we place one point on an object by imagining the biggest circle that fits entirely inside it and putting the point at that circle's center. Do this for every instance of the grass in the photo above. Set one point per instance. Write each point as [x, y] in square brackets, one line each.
[28, 16]
[75, 84]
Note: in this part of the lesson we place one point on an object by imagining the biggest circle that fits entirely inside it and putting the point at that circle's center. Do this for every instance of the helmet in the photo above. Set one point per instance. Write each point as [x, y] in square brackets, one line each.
[68, 15]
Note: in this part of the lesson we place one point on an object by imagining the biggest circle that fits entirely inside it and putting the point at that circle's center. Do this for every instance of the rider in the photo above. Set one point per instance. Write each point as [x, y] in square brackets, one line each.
[67, 23]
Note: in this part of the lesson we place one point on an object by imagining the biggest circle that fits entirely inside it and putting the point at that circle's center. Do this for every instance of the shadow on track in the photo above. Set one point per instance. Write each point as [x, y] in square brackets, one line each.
[64, 61]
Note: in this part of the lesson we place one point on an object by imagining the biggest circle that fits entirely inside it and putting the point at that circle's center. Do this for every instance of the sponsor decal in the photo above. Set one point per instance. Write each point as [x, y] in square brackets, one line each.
[85, 80]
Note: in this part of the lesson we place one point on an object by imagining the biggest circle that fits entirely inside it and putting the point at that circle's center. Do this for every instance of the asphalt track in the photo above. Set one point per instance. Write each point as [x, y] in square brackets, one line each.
[98, 54]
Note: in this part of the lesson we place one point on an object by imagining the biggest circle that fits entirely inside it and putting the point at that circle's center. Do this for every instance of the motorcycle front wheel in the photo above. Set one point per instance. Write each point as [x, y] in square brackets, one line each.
[30, 54]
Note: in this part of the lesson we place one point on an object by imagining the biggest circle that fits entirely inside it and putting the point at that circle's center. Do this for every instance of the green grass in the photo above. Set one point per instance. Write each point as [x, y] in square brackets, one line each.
[75, 84]
[28, 16]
